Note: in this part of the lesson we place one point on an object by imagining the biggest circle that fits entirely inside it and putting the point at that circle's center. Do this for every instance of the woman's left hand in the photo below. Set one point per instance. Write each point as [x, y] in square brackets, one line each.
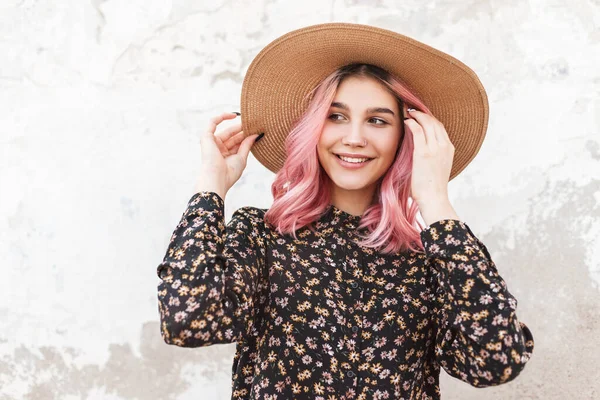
[432, 158]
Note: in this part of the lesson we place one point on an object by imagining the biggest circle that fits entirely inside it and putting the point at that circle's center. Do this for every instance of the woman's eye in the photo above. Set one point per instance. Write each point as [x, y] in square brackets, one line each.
[379, 121]
[339, 117]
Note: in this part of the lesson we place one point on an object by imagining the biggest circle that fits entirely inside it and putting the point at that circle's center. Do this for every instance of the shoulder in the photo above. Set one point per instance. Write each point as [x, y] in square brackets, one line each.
[251, 212]
[249, 218]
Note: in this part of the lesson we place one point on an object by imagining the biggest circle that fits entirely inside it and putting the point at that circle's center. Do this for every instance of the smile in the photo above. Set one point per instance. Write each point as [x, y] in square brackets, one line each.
[352, 163]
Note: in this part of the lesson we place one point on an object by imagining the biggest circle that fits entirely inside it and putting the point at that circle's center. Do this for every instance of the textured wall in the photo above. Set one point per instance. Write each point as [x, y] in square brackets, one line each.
[101, 102]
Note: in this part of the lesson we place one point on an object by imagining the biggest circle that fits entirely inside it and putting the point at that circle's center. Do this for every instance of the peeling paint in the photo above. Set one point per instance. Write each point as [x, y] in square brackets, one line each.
[159, 372]
[102, 103]
[548, 271]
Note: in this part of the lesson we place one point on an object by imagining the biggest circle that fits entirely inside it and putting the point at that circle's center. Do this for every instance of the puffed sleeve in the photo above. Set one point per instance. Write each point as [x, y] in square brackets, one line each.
[479, 338]
[212, 279]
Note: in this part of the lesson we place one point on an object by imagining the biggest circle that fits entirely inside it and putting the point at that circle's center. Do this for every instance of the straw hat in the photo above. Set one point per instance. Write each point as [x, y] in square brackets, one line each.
[289, 68]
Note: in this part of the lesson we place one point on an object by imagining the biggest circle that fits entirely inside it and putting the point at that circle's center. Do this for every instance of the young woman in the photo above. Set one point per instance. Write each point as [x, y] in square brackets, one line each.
[337, 291]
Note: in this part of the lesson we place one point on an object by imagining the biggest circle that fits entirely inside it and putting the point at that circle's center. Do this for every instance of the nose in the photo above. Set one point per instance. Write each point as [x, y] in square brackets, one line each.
[355, 136]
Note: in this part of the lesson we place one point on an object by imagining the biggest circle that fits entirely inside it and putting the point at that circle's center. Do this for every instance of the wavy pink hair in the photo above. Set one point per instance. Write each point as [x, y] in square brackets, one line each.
[301, 189]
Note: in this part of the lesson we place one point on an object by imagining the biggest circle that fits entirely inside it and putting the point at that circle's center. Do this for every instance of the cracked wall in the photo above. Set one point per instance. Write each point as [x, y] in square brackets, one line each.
[101, 105]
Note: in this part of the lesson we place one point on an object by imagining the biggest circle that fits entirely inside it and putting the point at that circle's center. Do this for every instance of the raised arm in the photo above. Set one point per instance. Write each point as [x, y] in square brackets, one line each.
[479, 338]
[213, 275]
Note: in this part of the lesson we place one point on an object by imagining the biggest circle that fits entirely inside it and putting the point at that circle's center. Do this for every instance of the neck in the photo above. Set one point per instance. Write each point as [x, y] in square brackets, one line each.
[353, 202]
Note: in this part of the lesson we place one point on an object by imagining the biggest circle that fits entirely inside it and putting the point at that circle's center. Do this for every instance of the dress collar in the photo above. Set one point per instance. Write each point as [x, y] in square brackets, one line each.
[334, 216]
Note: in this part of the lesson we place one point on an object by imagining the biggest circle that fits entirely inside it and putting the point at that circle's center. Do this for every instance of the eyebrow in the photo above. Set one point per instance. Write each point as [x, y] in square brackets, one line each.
[384, 110]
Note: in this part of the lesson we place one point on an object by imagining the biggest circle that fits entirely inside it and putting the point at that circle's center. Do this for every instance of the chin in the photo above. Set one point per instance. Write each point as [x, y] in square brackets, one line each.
[345, 185]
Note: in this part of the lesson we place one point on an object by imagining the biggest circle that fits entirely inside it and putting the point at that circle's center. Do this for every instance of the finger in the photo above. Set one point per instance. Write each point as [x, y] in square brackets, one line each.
[414, 129]
[229, 132]
[427, 122]
[235, 140]
[234, 149]
[245, 146]
[440, 131]
[207, 138]
[231, 146]
[222, 147]
[214, 121]
[443, 136]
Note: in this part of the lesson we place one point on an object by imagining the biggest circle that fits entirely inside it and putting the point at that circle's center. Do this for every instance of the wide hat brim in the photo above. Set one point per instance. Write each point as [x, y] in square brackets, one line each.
[280, 78]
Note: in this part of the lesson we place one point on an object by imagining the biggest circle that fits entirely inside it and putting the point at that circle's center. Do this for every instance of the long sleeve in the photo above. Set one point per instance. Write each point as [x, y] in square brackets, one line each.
[212, 277]
[479, 338]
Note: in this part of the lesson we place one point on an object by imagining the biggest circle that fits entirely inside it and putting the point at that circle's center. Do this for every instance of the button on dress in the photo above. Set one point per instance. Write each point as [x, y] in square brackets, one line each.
[320, 317]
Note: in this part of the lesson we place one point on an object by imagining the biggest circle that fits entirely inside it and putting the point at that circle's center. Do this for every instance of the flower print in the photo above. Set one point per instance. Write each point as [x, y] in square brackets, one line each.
[305, 374]
[290, 291]
[299, 348]
[305, 263]
[314, 258]
[319, 388]
[384, 374]
[296, 388]
[376, 368]
[290, 341]
[279, 386]
[192, 306]
[388, 302]
[307, 311]
[389, 355]
[180, 316]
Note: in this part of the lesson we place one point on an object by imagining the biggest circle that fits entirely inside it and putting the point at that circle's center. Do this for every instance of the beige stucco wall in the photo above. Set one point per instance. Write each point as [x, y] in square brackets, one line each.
[101, 103]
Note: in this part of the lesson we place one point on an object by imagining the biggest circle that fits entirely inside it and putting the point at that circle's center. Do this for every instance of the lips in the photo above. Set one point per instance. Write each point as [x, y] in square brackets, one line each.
[355, 158]
[352, 165]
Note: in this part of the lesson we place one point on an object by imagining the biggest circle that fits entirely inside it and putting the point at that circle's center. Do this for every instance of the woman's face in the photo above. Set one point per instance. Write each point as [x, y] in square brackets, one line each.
[363, 122]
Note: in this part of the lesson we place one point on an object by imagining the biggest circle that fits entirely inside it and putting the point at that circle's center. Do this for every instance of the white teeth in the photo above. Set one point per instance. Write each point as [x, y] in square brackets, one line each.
[354, 160]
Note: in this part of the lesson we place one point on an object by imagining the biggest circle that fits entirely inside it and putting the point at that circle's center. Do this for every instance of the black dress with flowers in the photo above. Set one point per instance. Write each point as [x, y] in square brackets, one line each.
[319, 317]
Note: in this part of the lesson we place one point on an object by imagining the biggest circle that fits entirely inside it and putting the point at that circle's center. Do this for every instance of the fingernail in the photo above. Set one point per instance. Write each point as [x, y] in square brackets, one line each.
[236, 113]
[410, 109]
[259, 137]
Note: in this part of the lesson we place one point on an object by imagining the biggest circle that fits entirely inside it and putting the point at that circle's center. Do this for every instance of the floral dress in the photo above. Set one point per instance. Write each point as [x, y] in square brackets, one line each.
[320, 317]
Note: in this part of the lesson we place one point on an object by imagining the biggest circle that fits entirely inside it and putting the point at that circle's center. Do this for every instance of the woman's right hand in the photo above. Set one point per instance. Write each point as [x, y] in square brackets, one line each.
[224, 155]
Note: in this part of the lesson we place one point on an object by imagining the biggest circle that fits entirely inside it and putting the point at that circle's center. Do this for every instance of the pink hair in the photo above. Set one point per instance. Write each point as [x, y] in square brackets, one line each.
[301, 188]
